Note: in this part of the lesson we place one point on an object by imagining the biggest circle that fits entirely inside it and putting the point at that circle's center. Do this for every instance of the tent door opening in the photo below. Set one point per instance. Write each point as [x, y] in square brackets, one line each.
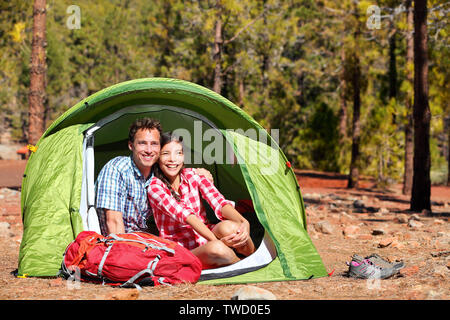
[108, 138]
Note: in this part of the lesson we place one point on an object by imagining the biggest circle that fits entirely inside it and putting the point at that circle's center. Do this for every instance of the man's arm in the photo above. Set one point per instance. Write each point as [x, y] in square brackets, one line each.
[110, 191]
[114, 222]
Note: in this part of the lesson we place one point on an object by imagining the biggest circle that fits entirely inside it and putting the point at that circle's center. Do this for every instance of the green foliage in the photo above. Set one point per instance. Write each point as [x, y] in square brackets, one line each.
[281, 62]
[318, 142]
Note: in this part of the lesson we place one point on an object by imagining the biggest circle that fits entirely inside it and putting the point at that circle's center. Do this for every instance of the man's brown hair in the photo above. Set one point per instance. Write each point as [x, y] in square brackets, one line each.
[143, 123]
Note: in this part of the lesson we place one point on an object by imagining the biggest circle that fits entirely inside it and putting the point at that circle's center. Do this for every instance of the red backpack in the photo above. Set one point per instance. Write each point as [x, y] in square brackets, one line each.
[129, 259]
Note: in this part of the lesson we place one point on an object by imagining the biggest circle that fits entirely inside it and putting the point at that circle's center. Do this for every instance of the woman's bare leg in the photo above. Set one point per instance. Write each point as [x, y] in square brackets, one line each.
[215, 254]
[228, 227]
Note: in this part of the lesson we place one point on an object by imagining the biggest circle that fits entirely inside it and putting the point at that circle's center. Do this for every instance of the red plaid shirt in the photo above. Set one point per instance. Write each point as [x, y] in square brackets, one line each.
[170, 215]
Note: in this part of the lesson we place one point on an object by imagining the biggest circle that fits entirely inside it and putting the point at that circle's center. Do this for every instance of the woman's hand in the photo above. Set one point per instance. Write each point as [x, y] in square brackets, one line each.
[240, 237]
[242, 234]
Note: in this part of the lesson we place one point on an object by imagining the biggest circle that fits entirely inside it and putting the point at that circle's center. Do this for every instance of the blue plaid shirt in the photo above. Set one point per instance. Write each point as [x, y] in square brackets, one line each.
[121, 187]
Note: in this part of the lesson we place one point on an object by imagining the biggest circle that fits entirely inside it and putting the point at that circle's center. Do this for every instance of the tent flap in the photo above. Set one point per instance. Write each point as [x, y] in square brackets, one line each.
[51, 192]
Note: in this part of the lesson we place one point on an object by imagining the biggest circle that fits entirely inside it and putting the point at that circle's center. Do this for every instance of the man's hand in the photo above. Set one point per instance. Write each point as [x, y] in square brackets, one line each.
[205, 173]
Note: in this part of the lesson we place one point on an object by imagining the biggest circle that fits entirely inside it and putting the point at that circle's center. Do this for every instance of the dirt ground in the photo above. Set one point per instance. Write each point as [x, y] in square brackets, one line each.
[341, 222]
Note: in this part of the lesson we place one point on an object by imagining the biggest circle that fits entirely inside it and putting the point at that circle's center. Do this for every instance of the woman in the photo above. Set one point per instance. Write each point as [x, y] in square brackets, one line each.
[180, 216]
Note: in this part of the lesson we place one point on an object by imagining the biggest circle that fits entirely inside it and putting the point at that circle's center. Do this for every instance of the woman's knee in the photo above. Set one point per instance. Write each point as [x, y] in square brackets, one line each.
[225, 228]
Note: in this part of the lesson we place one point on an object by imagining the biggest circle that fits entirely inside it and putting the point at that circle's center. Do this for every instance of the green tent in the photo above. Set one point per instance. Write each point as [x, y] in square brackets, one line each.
[58, 188]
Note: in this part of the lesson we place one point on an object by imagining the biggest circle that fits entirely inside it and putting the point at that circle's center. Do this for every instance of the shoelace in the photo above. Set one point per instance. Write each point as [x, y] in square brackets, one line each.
[373, 264]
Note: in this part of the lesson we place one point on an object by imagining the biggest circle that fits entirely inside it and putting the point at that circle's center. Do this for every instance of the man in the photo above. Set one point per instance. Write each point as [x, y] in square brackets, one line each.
[121, 188]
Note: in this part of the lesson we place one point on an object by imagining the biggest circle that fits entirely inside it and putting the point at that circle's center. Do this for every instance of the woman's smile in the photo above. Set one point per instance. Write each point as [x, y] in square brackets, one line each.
[171, 159]
[172, 166]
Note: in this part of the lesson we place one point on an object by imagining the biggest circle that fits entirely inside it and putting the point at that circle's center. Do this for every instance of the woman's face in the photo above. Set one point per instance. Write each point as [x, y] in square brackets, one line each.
[171, 159]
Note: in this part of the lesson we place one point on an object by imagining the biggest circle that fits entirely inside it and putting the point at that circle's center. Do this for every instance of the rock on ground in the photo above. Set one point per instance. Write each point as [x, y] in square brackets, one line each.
[324, 227]
[253, 293]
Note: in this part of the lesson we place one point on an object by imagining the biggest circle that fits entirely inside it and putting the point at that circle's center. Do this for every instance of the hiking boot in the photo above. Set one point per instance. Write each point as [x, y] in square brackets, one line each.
[368, 270]
[376, 259]
[379, 261]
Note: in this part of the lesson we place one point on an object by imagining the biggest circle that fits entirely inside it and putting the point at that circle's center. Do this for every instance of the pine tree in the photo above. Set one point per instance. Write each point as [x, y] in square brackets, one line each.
[421, 190]
[353, 178]
[38, 71]
[409, 146]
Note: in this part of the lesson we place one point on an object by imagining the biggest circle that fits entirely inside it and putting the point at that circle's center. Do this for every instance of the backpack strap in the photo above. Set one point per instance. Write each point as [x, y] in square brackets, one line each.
[102, 262]
[146, 244]
[150, 269]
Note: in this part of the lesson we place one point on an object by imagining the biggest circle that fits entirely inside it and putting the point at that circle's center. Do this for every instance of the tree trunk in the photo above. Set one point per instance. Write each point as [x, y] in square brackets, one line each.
[265, 55]
[392, 66]
[421, 190]
[343, 101]
[409, 145]
[218, 46]
[448, 155]
[300, 93]
[353, 178]
[393, 69]
[38, 71]
[241, 92]
[166, 46]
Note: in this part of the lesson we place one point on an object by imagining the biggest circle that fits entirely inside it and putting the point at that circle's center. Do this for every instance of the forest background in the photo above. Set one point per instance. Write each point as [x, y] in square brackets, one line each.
[316, 70]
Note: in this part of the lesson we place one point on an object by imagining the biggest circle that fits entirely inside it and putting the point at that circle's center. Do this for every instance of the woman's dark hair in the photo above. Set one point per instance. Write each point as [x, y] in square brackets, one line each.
[166, 138]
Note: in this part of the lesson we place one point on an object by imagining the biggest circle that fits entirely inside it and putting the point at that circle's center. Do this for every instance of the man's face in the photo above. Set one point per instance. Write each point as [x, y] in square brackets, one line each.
[145, 149]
